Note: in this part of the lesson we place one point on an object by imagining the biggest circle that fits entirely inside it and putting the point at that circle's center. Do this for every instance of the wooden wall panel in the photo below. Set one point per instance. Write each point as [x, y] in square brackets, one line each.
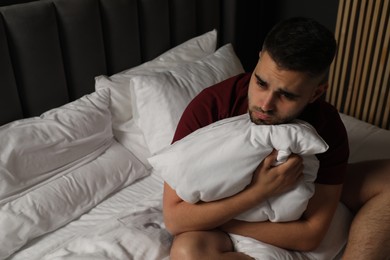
[359, 75]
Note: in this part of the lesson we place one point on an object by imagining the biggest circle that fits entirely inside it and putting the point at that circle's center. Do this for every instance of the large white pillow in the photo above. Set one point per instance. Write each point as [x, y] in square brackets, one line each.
[125, 131]
[55, 167]
[159, 99]
[218, 161]
[191, 50]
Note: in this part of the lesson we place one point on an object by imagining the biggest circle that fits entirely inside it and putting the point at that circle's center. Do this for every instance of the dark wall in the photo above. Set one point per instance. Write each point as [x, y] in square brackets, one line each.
[324, 11]
[262, 15]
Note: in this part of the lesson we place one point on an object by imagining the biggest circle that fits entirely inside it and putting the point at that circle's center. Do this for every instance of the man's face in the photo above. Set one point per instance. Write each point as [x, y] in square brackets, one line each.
[277, 96]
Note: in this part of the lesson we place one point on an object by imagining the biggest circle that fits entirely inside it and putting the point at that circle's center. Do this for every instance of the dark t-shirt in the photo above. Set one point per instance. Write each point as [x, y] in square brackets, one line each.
[230, 98]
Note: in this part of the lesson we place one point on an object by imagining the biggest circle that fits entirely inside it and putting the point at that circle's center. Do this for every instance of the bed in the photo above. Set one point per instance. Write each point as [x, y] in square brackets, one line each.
[90, 90]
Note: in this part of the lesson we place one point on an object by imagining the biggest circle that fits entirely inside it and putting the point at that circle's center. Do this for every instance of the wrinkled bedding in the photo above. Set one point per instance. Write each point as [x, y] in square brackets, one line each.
[127, 225]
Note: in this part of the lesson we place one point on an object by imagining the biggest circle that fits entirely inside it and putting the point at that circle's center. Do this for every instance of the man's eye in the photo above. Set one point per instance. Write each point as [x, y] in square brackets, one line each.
[261, 83]
[288, 96]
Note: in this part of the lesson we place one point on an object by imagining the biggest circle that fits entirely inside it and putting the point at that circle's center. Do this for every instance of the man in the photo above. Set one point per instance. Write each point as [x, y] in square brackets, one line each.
[287, 83]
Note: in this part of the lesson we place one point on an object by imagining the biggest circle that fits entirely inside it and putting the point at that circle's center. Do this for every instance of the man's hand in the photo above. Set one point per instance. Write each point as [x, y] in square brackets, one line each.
[269, 180]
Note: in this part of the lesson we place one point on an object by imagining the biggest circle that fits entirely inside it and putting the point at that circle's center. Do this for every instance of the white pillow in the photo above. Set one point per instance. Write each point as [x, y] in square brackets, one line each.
[366, 141]
[191, 50]
[160, 99]
[218, 161]
[125, 131]
[55, 167]
[35, 149]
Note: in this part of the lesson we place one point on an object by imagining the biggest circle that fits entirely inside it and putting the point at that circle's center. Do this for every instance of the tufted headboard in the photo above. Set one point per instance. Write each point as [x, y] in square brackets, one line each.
[51, 50]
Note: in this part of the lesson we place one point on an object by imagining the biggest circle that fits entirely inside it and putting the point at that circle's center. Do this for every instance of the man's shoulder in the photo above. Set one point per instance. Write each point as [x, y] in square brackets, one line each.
[325, 118]
[320, 113]
[233, 84]
[224, 99]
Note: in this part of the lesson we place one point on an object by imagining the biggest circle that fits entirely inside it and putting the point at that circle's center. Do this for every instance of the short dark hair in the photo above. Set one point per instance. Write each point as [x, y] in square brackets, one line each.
[301, 44]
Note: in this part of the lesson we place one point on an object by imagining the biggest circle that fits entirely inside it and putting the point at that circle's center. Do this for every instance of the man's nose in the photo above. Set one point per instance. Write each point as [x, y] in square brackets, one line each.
[269, 102]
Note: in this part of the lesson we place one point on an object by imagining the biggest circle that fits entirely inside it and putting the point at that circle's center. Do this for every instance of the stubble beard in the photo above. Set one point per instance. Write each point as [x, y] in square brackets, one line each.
[274, 120]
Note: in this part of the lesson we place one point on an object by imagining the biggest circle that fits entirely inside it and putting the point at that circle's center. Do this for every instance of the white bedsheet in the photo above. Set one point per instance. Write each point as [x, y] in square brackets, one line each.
[127, 225]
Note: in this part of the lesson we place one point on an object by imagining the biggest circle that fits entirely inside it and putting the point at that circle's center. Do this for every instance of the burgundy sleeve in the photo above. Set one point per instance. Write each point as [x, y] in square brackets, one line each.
[224, 99]
[333, 163]
[196, 115]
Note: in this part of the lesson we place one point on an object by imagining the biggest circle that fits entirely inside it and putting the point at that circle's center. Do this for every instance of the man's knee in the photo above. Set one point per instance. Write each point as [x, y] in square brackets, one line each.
[179, 251]
[185, 246]
[199, 244]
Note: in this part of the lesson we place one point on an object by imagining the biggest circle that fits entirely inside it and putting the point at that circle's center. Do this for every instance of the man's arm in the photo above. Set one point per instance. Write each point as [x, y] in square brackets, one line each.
[303, 235]
[180, 216]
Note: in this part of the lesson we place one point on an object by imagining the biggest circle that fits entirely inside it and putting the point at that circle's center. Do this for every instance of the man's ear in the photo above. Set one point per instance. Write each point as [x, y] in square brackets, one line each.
[319, 91]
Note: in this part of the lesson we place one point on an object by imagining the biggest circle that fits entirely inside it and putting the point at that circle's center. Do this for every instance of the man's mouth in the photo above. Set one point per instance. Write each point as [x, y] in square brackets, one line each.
[261, 116]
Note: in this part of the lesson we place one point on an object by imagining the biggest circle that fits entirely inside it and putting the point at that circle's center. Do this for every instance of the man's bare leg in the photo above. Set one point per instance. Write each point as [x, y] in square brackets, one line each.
[367, 193]
[204, 245]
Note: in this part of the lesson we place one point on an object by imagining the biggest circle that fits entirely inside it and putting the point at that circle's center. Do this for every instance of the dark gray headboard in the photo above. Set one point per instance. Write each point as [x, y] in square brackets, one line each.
[51, 50]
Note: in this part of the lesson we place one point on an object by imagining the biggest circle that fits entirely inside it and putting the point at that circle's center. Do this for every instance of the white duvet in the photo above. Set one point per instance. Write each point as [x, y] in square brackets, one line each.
[218, 161]
[127, 225]
[56, 167]
[137, 233]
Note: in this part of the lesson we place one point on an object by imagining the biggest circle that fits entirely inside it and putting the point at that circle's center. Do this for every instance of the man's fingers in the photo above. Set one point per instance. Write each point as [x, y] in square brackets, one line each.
[271, 158]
